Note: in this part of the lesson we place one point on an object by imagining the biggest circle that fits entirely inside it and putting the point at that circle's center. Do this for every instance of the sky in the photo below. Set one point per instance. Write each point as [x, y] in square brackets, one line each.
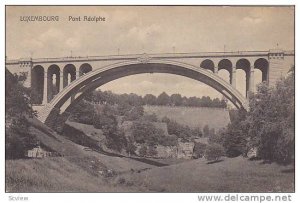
[130, 30]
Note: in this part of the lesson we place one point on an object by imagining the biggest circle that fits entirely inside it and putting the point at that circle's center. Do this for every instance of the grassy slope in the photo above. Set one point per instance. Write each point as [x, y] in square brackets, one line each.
[192, 116]
[77, 170]
[88, 130]
[230, 175]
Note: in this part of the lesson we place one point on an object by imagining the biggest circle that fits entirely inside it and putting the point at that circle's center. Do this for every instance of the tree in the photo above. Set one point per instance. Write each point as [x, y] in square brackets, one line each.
[234, 137]
[146, 133]
[214, 152]
[130, 147]
[143, 151]
[135, 113]
[269, 125]
[206, 131]
[104, 121]
[151, 151]
[163, 99]
[115, 139]
[199, 150]
[18, 138]
[176, 99]
[83, 112]
[270, 121]
[149, 99]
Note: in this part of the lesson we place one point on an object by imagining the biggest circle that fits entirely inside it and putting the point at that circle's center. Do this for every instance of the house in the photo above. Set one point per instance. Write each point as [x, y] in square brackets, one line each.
[166, 151]
[185, 150]
[38, 152]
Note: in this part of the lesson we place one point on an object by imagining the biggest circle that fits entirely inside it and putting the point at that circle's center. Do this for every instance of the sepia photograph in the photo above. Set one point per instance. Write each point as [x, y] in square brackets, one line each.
[149, 99]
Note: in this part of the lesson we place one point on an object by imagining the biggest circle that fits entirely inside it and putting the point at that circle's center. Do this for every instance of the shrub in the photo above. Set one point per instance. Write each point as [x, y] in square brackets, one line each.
[199, 150]
[151, 151]
[214, 152]
[143, 151]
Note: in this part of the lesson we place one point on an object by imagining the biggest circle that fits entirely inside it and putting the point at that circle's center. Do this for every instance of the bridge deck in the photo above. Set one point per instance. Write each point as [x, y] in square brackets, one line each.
[154, 56]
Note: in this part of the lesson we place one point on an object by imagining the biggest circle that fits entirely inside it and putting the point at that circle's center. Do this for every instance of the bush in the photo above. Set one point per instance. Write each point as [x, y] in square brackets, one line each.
[199, 150]
[103, 121]
[143, 151]
[214, 152]
[83, 112]
[18, 109]
[146, 133]
[151, 151]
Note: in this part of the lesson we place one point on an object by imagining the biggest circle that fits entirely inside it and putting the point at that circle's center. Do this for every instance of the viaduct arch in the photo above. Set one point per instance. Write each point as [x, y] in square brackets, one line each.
[72, 93]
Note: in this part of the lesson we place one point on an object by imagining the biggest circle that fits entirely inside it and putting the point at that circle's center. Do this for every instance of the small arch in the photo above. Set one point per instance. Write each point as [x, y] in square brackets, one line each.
[37, 84]
[244, 64]
[69, 74]
[85, 68]
[208, 65]
[225, 64]
[53, 82]
[263, 65]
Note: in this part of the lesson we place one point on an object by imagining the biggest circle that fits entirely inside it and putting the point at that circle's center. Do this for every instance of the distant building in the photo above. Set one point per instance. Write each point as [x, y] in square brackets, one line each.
[166, 151]
[202, 140]
[185, 150]
[38, 152]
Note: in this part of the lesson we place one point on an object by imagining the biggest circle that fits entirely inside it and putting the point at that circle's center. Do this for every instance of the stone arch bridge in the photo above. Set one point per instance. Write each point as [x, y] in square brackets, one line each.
[58, 83]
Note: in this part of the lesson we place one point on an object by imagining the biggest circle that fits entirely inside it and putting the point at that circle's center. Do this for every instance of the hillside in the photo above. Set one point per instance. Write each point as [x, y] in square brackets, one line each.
[192, 116]
[231, 175]
[76, 170]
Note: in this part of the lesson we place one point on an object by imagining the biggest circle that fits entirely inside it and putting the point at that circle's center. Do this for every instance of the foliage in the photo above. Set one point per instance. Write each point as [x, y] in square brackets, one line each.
[130, 147]
[115, 139]
[199, 150]
[170, 140]
[135, 113]
[17, 102]
[271, 123]
[83, 112]
[268, 126]
[149, 99]
[214, 152]
[235, 136]
[125, 100]
[146, 133]
[206, 131]
[181, 131]
[151, 151]
[143, 151]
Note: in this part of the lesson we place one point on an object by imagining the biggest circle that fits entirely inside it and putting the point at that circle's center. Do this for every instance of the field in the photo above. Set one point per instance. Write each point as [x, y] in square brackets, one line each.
[192, 116]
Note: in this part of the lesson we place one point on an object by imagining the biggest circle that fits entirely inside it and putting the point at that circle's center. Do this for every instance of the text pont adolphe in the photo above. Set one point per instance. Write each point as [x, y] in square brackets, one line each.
[87, 18]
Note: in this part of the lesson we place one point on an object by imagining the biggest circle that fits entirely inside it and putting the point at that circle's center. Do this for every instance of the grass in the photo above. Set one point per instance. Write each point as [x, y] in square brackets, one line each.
[55, 175]
[192, 116]
[76, 171]
[81, 171]
[231, 175]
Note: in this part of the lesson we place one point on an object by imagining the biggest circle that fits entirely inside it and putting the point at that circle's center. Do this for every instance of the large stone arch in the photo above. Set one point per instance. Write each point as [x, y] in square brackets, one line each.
[98, 77]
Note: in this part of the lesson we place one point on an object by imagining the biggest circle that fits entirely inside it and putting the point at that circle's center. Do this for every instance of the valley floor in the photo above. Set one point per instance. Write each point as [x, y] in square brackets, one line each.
[81, 174]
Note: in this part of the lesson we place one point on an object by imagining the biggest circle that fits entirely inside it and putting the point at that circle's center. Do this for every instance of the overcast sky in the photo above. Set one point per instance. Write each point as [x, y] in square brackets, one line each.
[150, 30]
